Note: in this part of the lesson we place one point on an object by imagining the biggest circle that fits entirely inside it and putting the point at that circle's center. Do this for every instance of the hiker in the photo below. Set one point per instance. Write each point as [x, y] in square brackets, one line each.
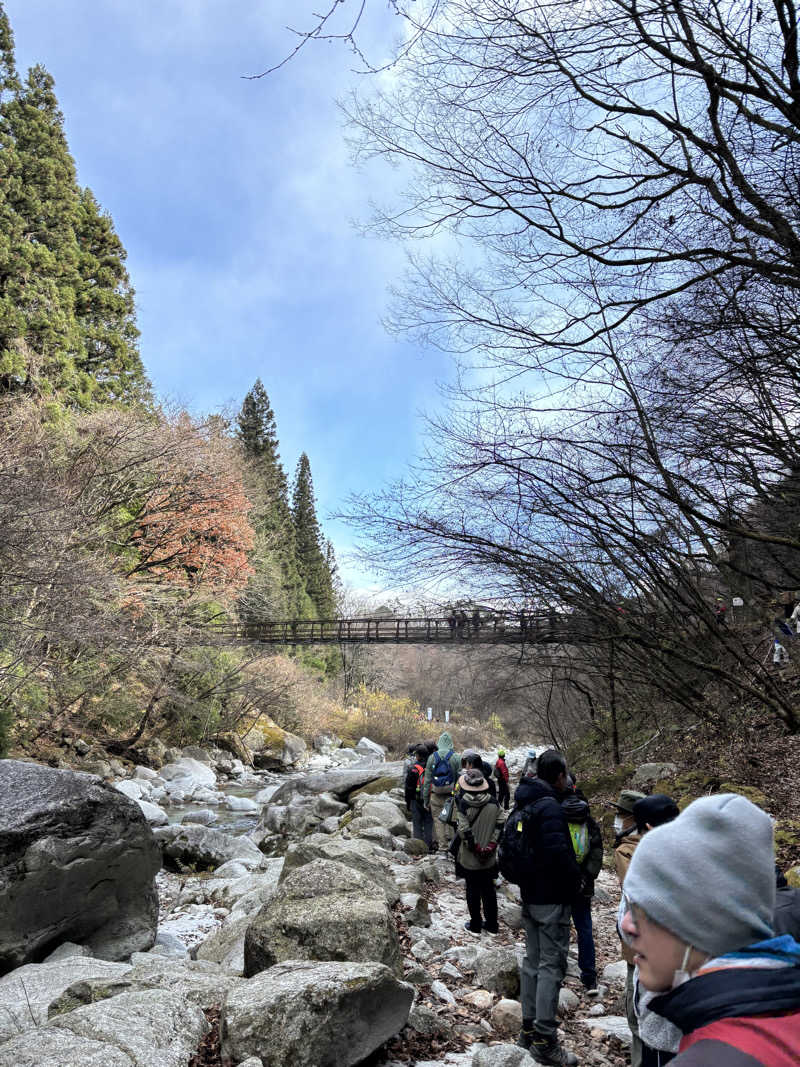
[779, 653]
[587, 842]
[795, 617]
[500, 772]
[626, 838]
[786, 917]
[462, 623]
[478, 826]
[659, 1038]
[476, 620]
[451, 622]
[551, 883]
[471, 759]
[700, 895]
[529, 766]
[441, 775]
[421, 820]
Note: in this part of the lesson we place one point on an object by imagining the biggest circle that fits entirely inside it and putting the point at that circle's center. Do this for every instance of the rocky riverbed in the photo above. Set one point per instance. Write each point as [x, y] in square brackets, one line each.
[296, 922]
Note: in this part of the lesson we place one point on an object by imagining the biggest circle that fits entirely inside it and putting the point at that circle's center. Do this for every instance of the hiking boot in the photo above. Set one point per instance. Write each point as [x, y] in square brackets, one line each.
[526, 1037]
[471, 929]
[548, 1050]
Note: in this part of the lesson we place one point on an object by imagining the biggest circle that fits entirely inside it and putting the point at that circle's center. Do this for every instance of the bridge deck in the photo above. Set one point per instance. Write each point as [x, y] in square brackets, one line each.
[499, 629]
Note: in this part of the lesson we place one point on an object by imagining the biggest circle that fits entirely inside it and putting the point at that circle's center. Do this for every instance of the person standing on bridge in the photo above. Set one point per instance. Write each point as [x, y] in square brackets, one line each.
[441, 774]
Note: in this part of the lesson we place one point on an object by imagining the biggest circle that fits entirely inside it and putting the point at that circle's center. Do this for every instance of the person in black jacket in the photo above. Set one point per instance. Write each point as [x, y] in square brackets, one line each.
[421, 820]
[553, 884]
[587, 842]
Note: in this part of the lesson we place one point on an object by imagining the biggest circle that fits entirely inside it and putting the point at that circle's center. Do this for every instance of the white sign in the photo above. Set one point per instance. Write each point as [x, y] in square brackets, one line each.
[430, 714]
[737, 602]
[447, 715]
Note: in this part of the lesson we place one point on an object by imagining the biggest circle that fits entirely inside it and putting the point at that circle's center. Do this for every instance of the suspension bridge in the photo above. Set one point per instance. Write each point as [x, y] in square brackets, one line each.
[499, 628]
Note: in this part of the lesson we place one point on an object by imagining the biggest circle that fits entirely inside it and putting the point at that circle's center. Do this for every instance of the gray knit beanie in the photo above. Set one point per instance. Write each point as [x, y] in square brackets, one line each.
[708, 876]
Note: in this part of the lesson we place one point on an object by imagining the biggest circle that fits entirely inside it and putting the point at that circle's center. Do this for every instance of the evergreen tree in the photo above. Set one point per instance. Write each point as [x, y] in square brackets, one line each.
[311, 560]
[12, 230]
[41, 341]
[271, 517]
[110, 363]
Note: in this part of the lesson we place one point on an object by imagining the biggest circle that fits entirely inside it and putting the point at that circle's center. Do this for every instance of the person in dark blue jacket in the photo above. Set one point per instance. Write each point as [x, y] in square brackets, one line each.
[547, 893]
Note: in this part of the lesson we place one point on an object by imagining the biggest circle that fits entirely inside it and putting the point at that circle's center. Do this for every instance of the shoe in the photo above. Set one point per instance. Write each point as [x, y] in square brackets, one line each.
[525, 1039]
[590, 987]
[469, 928]
[491, 930]
[547, 1050]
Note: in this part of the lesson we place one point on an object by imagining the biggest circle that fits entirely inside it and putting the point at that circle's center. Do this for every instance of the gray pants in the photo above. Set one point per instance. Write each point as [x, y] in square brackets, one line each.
[545, 963]
[442, 832]
[633, 1020]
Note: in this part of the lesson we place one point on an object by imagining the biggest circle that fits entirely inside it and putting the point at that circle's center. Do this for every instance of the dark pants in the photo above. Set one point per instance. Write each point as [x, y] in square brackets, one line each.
[481, 890]
[545, 964]
[421, 822]
[502, 793]
[652, 1057]
[582, 917]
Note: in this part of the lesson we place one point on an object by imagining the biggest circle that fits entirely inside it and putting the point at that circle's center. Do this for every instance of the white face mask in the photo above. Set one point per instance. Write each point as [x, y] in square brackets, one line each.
[682, 976]
[619, 823]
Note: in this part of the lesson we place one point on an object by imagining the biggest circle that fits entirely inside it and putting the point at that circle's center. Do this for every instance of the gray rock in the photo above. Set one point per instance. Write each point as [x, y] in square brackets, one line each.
[378, 835]
[597, 1009]
[415, 909]
[192, 771]
[616, 972]
[441, 992]
[144, 774]
[251, 1061]
[196, 753]
[226, 945]
[155, 815]
[568, 1001]
[497, 969]
[51, 1047]
[501, 1056]
[323, 913]
[199, 982]
[414, 847]
[417, 975]
[77, 863]
[388, 815]
[648, 773]
[359, 856]
[168, 944]
[65, 951]
[203, 848]
[26, 993]
[610, 1024]
[329, 825]
[202, 817]
[130, 788]
[506, 1016]
[365, 747]
[425, 1021]
[339, 782]
[449, 971]
[315, 1014]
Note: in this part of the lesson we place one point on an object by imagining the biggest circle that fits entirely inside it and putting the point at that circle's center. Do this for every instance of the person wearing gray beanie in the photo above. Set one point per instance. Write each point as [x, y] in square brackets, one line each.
[699, 895]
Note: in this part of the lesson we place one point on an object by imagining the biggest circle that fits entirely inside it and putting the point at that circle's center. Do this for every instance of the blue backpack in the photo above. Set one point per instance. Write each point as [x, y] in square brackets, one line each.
[442, 773]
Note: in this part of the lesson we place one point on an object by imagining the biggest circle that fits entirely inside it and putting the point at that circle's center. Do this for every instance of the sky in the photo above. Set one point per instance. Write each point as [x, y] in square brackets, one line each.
[236, 201]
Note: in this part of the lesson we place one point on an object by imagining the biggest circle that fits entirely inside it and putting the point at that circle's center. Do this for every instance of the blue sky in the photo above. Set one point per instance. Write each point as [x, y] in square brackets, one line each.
[235, 201]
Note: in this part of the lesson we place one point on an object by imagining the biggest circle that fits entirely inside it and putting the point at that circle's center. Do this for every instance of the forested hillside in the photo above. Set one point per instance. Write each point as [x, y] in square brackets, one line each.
[129, 532]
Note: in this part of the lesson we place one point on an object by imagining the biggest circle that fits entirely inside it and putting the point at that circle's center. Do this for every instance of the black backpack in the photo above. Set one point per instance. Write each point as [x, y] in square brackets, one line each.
[516, 856]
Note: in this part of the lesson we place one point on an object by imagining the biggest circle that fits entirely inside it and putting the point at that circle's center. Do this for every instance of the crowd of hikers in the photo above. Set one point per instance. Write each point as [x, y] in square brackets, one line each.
[707, 923]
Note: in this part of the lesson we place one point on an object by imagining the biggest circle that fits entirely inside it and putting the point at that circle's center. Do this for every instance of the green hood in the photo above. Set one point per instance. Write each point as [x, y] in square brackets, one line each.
[445, 744]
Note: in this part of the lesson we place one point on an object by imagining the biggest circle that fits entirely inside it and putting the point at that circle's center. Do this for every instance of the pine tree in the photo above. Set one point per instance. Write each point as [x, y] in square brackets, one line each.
[271, 517]
[110, 365]
[311, 560]
[12, 230]
[41, 342]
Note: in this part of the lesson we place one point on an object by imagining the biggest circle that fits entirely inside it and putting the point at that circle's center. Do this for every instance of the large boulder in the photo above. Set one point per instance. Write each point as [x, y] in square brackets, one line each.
[190, 846]
[27, 992]
[647, 774]
[324, 912]
[314, 1014]
[371, 750]
[156, 1028]
[77, 863]
[188, 775]
[273, 748]
[341, 783]
[361, 857]
[388, 815]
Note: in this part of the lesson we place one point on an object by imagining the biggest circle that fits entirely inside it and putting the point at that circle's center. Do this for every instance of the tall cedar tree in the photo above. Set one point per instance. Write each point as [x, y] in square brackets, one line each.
[311, 559]
[66, 306]
[271, 517]
[106, 312]
[41, 340]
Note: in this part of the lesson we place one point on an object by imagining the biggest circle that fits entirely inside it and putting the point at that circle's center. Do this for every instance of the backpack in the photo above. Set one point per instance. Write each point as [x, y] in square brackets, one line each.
[579, 834]
[516, 858]
[442, 776]
[420, 776]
